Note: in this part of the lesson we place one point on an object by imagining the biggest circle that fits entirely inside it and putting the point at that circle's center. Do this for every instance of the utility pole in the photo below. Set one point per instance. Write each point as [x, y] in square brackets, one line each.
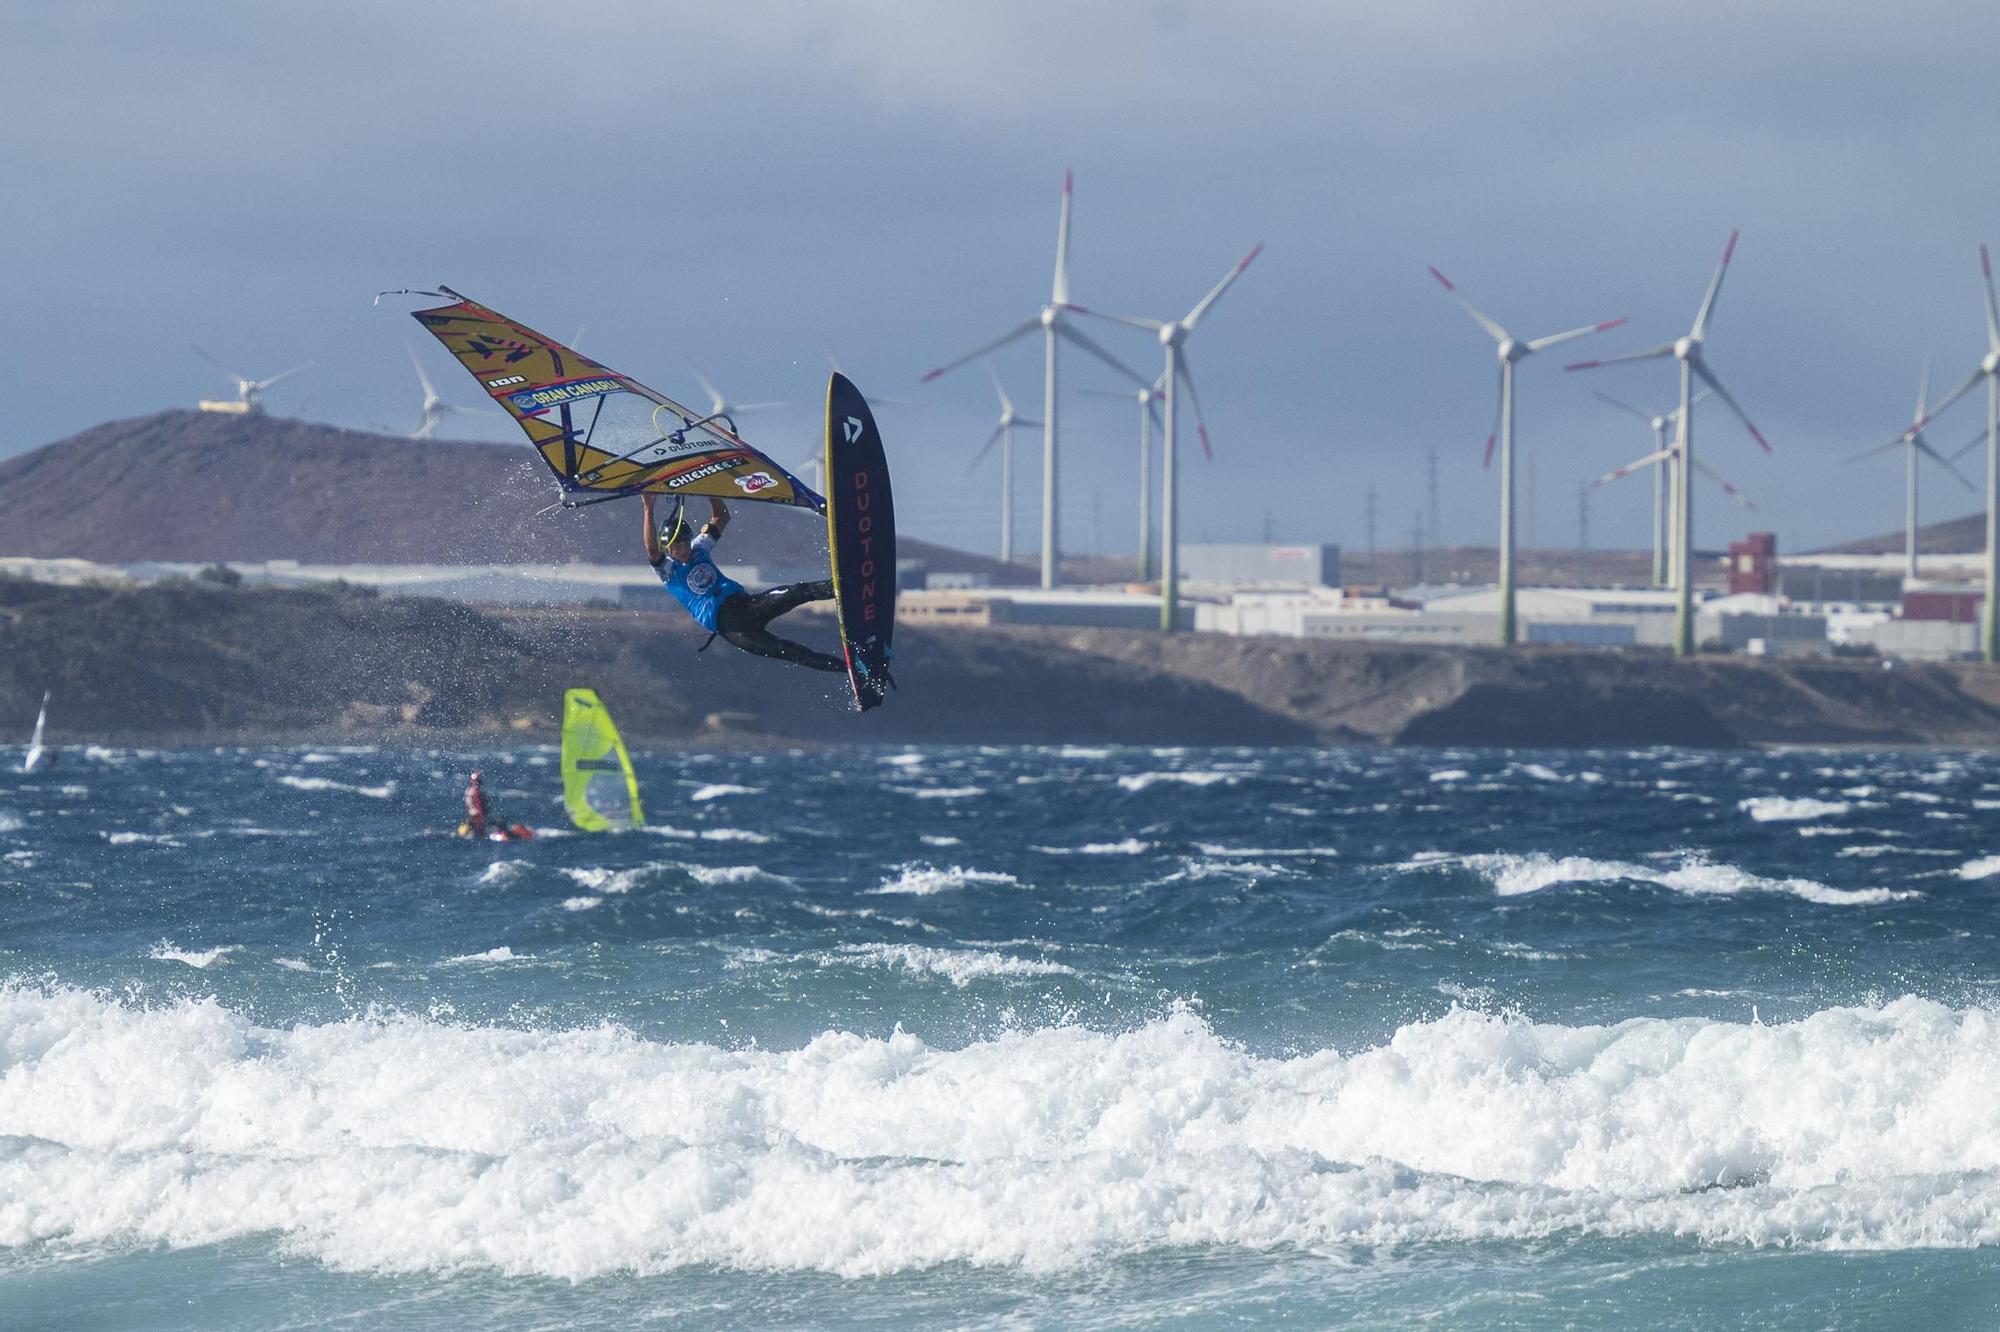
[1532, 487]
[1583, 516]
[1097, 524]
[1371, 522]
[1416, 549]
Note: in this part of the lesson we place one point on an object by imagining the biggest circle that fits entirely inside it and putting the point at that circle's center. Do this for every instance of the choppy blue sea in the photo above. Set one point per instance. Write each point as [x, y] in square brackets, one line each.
[1003, 1036]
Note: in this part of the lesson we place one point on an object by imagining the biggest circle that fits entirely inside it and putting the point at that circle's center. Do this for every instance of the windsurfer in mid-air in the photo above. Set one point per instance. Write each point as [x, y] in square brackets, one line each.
[720, 605]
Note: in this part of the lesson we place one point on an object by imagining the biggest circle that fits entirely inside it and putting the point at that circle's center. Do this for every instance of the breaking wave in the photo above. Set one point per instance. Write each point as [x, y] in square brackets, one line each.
[1513, 876]
[403, 1144]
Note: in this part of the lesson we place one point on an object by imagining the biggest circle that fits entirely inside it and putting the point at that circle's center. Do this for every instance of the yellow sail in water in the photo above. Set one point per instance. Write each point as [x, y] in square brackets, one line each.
[598, 785]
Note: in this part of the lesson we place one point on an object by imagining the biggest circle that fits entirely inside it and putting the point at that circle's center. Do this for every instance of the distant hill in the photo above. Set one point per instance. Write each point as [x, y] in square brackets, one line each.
[186, 485]
[1954, 536]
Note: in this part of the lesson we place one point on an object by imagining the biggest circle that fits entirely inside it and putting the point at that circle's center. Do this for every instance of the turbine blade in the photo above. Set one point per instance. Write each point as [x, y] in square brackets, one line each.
[1486, 321]
[1625, 407]
[1020, 330]
[1923, 446]
[263, 384]
[716, 402]
[1108, 393]
[1969, 445]
[831, 359]
[1971, 382]
[1553, 338]
[1708, 377]
[1873, 449]
[1059, 291]
[1194, 401]
[1714, 288]
[1136, 321]
[1727, 489]
[1639, 464]
[422, 378]
[1992, 306]
[1923, 393]
[986, 448]
[576, 339]
[1071, 335]
[1027, 422]
[757, 406]
[227, 372]
[1006, 403]
[1695, 401]
[1649, 353]
[1215, 293]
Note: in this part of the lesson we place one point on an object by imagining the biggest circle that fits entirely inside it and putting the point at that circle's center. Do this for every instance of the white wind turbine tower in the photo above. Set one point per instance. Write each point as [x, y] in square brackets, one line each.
[1174, 377]
[249, 400]
[1913, 442]
[1148, 417]
[1688, 351]
[1054, 325]
[1664, 461]
[1511, 350]
[1989, 370]
[1003, 435]
[1661, 460]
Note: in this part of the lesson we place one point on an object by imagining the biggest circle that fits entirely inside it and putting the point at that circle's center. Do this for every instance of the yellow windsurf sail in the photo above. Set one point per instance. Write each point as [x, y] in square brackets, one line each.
[598, 785]
[600, 431]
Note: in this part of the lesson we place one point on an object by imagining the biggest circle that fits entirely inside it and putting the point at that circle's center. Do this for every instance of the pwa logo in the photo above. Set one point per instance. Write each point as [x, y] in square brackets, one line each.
[755, 482]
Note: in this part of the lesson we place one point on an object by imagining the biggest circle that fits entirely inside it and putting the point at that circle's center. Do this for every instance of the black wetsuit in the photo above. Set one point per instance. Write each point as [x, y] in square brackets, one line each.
[741, 619]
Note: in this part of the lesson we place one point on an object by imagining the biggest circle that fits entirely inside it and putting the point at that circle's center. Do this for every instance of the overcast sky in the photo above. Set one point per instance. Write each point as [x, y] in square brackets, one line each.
[735, 185]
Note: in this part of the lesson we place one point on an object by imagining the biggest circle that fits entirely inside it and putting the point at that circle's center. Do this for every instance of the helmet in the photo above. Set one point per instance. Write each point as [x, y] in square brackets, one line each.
[475, 774]
[675, 529]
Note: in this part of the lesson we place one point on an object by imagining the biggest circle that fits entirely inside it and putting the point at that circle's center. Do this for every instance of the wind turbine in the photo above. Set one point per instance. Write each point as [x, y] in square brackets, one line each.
[249, 392]
[1510, 350]
[721, 406]
[1052, 320]
[1003, 435]
[1174, 377]
[1661, 460]
[435, 408]
[1145, 397]
[1989, 370]
[1688, 351]
[1913, 443]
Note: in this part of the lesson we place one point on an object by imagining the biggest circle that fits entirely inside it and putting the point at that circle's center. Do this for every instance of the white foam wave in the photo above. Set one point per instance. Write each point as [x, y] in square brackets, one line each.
[943, 792]
[959, 966]
[1130, 846]
[405, 1145]
[501, 954]
[164, 951]
[1781, 809]
[141, 839]
[923, 880]
[1983, 868]
[1141, 780]
[938, 839]
[734, 835]
[503, 871]
[1513, 876]
[382, 792]
[1450, 775]
[9, 822]
[717, 790]
[583, 903]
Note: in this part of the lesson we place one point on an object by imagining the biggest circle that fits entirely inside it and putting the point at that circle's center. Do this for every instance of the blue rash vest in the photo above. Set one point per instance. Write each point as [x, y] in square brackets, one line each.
[698, 585]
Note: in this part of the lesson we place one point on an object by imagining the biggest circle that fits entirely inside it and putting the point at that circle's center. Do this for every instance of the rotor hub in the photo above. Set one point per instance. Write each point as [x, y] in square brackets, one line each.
[1051, 315]
[1687, 349]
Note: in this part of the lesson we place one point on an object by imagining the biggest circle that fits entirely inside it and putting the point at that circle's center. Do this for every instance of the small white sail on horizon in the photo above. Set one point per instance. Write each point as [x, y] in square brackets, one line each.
[38, 754]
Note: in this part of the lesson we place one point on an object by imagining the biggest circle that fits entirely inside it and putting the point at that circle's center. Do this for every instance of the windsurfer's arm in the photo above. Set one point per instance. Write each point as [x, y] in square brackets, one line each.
[654, 554]
[718, 517]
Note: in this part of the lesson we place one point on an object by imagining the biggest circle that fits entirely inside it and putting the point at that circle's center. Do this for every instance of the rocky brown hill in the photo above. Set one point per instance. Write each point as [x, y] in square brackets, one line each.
[185, 485]
[197, 663]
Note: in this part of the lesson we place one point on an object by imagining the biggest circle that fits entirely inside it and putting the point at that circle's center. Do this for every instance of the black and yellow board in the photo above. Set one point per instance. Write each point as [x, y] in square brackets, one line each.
[861, 536]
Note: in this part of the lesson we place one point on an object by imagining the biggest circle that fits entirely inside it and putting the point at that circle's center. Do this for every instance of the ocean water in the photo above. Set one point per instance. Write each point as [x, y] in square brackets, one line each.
[1003, 1036]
